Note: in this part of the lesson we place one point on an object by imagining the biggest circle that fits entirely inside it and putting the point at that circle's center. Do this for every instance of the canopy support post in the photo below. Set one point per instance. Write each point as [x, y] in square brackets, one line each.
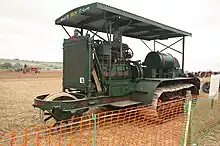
[183, 53]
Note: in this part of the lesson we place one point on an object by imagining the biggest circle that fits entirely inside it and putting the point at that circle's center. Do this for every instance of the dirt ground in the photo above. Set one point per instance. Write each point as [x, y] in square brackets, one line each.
[17, 92]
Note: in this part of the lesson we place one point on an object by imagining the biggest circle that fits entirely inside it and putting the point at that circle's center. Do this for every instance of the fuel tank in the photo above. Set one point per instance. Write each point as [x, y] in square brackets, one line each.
[156, 60]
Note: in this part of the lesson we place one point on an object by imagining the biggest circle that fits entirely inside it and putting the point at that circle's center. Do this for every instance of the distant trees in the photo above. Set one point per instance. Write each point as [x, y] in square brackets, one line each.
[17, 65]
[6, 65]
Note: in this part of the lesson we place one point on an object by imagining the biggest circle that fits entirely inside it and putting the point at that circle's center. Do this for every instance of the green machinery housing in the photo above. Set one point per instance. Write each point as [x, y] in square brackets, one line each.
[101, 72]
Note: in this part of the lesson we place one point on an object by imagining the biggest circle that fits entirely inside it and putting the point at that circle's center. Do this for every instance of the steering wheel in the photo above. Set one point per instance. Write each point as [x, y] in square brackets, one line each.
[128, 52]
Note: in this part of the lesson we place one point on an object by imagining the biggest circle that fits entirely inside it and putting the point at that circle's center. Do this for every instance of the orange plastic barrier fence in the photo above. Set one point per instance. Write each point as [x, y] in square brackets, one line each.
[136, 126]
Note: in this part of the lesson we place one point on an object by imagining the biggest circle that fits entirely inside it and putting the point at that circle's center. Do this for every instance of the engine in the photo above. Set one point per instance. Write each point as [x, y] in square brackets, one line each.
[119, 65]
[155, 65]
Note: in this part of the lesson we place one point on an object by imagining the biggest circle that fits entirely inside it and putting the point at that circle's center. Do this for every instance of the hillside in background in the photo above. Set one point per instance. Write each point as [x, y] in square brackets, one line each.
[16, 63]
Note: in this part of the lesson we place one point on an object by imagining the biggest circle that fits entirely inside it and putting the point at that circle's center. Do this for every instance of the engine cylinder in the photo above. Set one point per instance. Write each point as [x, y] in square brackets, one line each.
[157, 60]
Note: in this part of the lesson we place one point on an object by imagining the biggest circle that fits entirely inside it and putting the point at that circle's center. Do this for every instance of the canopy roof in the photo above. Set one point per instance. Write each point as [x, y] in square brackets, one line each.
[94, 17]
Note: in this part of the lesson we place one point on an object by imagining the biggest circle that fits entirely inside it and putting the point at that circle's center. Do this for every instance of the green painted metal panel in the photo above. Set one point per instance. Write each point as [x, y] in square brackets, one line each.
[122, 87]
[144, 91]
[75, 63]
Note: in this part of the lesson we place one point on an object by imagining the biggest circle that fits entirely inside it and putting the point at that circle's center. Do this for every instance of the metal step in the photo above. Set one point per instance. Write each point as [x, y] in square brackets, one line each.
[124, 103]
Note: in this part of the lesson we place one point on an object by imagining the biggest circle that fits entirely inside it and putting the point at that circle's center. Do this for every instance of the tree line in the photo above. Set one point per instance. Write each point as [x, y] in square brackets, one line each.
[7, 65]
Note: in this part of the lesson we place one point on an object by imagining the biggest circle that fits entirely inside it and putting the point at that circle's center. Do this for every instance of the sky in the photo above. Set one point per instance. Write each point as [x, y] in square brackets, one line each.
[28, 30]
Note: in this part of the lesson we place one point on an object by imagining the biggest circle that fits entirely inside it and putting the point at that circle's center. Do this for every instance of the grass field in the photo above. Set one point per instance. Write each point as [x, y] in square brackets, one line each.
[18, 90]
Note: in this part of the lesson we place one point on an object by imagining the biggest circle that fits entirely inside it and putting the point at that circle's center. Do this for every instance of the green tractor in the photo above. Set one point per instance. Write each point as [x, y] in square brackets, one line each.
[101, 73]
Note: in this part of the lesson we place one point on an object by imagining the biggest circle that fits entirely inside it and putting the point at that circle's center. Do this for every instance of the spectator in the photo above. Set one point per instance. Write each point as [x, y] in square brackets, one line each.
[25, 65]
